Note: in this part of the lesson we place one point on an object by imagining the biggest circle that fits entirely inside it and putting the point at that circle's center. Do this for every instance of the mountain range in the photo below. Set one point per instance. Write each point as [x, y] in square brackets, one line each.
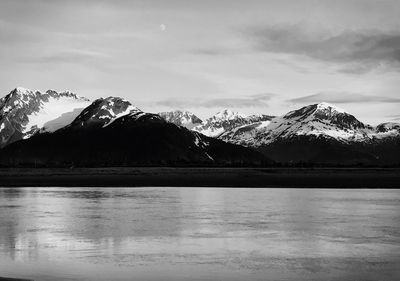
[112, 132]
[63, 129]
[321, 133]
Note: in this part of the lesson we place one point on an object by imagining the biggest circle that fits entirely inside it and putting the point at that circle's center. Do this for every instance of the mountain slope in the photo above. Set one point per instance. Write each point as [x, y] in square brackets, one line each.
[321, 150]
[23, 112]
[181, 118]
[136, 138]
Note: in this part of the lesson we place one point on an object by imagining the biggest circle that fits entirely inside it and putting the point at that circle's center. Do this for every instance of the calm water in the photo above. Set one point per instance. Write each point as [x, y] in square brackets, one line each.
[199, 234]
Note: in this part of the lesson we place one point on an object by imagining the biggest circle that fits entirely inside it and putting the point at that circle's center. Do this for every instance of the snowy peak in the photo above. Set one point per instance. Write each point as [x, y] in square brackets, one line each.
[255, 118]
[324, 110]
[16, 99]
[65, 94]
[386, 131]
[221, 122]
[23, 92]
[388, 127]
[227, 120]
[24, 112]
[103, 111]
[25, 95]
[227, 114]
[327, 107]
[317, 120]
[181, 118]
[325, 113]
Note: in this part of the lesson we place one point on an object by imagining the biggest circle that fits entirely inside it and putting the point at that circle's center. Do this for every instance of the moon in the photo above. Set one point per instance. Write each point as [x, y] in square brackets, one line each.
[163, 27]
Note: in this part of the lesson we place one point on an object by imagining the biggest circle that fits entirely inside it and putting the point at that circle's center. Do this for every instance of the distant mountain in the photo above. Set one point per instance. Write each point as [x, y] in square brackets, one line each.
[181, 118]
[23, 112]
[319, 133]
[63, 129]
[255, 118]
[112, 132]
[389, 129]
[227, 120]
[317, 119]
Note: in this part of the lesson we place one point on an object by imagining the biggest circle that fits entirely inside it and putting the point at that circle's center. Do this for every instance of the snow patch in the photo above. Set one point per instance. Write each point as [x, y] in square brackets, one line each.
[6, 109]
[51, 110]
[130, 109]
[62, 121]
[210, 131]
[208, 155]
[325, 105]
[263, 124]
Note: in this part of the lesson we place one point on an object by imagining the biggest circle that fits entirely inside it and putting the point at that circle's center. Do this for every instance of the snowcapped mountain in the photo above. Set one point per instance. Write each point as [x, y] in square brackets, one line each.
[54, 129]
[112, 132]
[256, 118]
[24, 112]
[227, 120]
[318, 120]
[103, 111]
[220, 122]
[181, 118]
[318, 132]
[389, 128]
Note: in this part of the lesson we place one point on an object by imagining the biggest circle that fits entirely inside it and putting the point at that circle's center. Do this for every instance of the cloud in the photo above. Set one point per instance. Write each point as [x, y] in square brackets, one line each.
[395, 117]
[245, 102]
[344, 97]
[210, 51]
[356, 51]
[68, 56]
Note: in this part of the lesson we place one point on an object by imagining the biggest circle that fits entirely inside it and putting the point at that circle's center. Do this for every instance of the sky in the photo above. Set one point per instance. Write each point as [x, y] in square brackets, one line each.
[251, 56]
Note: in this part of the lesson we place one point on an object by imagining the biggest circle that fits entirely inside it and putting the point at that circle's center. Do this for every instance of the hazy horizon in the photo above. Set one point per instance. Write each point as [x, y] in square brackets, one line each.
[266, 57]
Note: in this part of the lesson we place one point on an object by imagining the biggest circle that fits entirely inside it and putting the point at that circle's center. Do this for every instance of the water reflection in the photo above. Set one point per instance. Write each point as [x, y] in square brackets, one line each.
[199, 233]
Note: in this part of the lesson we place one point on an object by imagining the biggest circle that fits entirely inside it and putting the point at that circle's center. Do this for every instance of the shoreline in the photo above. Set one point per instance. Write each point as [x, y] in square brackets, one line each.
[203, 177]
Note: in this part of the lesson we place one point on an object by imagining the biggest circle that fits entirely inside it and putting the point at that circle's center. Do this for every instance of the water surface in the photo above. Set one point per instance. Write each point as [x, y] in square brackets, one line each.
[199, 234]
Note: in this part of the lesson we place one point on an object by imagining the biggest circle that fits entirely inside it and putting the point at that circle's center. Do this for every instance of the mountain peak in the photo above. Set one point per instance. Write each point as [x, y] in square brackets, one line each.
[321, 110]
[327, 106]
[388, 126]
[181, 112]
[221, 122]
[67, 94]
[325, 113]
[228, 114]
[181, 118]
[104, 111]
[24, 93]
[22, 90]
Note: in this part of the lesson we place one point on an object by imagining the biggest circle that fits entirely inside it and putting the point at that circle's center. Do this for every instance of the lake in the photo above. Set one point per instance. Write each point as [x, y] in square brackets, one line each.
[217, 234]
